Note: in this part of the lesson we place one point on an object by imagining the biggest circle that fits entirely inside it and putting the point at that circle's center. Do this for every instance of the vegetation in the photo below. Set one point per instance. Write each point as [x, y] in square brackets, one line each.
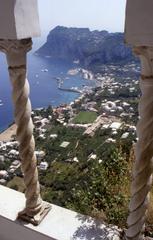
[85, 117]
[89, 186]
[17, 184]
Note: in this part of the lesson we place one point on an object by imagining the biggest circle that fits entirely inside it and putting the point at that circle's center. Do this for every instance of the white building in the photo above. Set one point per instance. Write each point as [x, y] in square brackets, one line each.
[2, 159]
[115, 125]
[43, 165]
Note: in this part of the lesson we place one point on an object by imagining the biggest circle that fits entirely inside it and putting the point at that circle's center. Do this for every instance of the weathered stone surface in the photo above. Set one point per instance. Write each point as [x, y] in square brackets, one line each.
[19, 19]
[139, 21]
[59, 224]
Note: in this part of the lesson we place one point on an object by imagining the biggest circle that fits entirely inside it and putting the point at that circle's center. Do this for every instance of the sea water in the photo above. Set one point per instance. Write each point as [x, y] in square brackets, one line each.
[42, 76]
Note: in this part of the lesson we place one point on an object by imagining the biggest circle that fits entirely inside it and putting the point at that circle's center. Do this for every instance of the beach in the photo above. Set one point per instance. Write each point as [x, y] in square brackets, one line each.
[8, 133]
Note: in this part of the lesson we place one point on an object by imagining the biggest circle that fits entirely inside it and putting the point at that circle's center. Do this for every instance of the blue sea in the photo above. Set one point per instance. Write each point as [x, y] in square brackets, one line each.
[44, 86]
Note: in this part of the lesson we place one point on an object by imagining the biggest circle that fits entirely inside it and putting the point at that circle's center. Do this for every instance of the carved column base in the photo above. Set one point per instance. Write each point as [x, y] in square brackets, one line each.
[35, 219]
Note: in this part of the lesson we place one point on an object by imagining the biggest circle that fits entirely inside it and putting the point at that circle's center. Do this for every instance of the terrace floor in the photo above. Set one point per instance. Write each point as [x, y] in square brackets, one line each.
[59, 224]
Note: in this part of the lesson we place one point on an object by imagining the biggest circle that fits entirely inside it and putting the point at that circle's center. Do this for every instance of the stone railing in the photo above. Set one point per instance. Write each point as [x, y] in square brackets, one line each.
[59, 223]
[19, 22]
[17, 26]
[16, 51]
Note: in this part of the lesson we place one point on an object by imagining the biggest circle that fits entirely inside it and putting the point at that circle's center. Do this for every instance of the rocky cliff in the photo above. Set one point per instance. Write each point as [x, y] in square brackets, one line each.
[89, 47]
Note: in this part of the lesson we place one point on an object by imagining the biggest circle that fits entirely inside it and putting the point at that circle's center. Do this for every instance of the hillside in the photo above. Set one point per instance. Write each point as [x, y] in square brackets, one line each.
[87, 47]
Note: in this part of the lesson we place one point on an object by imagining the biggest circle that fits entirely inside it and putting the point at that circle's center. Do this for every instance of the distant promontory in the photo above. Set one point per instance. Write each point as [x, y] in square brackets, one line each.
[89, 48]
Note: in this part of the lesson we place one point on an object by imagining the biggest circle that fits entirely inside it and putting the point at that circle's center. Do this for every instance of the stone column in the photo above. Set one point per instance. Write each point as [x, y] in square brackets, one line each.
[16, 51]
[142, 172]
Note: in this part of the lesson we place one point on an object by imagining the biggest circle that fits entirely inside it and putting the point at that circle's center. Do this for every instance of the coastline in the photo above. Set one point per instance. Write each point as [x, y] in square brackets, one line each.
[7, 134]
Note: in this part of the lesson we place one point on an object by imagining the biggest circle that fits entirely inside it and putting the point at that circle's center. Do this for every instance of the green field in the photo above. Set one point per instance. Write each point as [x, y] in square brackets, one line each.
[85, 117]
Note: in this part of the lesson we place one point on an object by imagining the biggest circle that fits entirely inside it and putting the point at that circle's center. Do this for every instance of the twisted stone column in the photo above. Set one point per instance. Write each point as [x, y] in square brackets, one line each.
[16, 51]
[142, 172]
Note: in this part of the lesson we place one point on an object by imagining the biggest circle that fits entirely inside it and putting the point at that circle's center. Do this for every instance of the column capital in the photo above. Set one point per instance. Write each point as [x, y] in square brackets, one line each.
[7, 45]
[145, 53]
[16, 50]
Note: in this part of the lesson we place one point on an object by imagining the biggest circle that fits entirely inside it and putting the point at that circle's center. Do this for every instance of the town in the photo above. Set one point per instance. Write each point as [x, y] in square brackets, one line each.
[80, 145]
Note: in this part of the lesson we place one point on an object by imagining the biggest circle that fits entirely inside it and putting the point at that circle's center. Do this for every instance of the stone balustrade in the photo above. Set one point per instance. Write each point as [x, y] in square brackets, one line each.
[19, 23]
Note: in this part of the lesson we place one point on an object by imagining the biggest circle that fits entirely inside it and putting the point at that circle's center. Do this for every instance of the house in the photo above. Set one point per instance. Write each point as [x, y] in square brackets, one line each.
[75, 159]
[115, 125]
[3, 181]
[125, 135]
[15, 164]
[64, 144]
[2, 159]
[53, 136]
[43, 165]
[13, 153]
[92, 156]
[42, 136]
[109, 106]
[3, 174]
[39, 154]
[110, 140]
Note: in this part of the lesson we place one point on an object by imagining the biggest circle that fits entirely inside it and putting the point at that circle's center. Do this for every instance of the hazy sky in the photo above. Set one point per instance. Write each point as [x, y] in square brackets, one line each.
[95, 14]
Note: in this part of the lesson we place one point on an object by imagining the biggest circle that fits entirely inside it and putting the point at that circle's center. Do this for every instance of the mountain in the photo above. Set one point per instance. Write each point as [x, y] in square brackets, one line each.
[89, 47]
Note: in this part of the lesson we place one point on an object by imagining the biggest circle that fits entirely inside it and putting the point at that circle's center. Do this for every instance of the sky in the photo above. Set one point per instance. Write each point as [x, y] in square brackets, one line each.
[94, 14]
